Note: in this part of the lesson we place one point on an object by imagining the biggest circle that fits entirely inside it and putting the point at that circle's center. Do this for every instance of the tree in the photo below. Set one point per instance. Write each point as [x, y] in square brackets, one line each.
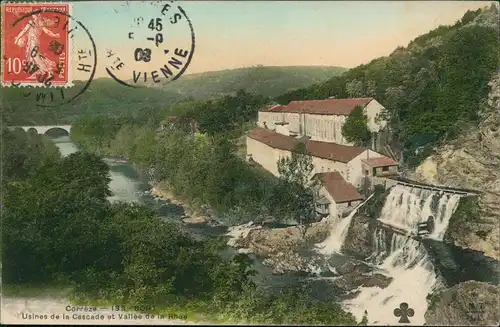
[295, 174]
[50, 219]
[355, 129]
[355, 88]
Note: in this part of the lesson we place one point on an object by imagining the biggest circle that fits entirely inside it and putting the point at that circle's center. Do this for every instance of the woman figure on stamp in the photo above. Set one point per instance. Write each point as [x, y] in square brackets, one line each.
[29, 37]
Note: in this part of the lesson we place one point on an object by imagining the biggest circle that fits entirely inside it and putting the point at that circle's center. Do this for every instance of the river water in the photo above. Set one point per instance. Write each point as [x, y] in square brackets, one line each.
[128, 185]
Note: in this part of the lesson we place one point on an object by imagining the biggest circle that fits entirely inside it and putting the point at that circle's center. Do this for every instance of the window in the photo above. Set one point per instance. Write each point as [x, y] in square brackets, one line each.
[366, 172]
[385, 168]
[349, 203]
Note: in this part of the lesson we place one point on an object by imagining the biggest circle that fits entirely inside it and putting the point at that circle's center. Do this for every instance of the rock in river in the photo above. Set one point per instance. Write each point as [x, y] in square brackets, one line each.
[468, 303]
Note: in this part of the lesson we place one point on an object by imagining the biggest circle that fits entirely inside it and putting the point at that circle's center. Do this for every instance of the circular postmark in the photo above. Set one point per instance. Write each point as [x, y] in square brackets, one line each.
[47, 54]
[158, 44]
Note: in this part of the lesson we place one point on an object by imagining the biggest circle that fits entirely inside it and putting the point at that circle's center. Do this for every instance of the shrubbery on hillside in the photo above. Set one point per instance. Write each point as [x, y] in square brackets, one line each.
[430, 89]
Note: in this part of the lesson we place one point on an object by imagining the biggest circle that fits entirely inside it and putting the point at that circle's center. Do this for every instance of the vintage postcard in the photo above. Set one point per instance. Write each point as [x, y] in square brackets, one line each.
[250, 162]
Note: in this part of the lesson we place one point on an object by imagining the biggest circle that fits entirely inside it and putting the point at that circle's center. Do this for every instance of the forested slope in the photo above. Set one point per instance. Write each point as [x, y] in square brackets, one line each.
[266, 81]
[431, 88]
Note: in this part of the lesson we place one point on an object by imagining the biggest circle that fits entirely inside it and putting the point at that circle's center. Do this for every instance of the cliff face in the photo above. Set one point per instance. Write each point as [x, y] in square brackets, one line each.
[469, 303]
[473, 161]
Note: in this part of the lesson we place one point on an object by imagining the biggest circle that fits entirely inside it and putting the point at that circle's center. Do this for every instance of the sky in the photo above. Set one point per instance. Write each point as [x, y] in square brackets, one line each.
[234, 34]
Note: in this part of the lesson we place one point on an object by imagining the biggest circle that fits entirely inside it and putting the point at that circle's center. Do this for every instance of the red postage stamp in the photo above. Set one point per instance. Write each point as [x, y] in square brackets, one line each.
[36, 44]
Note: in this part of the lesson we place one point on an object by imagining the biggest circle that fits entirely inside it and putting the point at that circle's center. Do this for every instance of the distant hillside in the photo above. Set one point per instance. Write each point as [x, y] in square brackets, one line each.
[267, 81]
[104, 97]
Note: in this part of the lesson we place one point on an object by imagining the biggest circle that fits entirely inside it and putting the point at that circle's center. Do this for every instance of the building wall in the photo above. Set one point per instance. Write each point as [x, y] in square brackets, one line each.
[265, 155]
[392, 170]
[336, 210]
[270, 118]
[332, 207]
[323, 166]
[355, 168]
[293, 121]
[373, 111]
[268, 157]
[282, 129]
[379, 171]
[325, 128]
[352, 172]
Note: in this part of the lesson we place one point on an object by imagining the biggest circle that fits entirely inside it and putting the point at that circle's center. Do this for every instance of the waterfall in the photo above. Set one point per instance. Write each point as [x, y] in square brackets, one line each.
[338, 233]
[446, 209]
[408, 263]
[406, 207]
[413, 279]
[380, 248]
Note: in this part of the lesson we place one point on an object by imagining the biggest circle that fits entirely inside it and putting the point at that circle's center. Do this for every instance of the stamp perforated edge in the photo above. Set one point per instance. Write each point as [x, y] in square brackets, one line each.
[69, 82]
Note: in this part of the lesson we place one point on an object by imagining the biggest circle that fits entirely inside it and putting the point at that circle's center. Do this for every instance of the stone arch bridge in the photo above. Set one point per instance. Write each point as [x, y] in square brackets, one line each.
[44, 129]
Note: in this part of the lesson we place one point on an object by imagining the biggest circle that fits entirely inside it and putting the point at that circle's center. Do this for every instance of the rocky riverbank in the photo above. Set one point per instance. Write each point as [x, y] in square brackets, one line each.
[285, 250]
[191, 216]
[279, 247]
[473, 162]
[465, 304]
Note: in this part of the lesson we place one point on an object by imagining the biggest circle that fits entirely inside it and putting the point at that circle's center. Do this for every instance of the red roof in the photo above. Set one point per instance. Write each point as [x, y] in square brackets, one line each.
[340, 190]
[272, 108]
[330, 151]
[324, 107]
[380, 162]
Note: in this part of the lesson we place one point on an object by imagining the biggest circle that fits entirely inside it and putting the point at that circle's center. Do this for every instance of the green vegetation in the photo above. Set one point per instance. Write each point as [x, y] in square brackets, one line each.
[466, 220]
[104, 97]
[226, 115]
[59, 228]
[373, 207]
[355, 129]
[298, 190]
[267, 81]
[430, 89]
[468, 210]
[202, 169]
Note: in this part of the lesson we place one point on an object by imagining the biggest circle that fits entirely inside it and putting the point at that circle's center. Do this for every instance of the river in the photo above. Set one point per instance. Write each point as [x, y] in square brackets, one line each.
[128, 185]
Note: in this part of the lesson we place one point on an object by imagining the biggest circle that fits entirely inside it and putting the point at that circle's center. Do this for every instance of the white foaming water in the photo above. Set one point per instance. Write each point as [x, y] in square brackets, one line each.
[408, 263]
[446, 209]
[406, 207]
[413, 279]
[338, 233]
[380, 246]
